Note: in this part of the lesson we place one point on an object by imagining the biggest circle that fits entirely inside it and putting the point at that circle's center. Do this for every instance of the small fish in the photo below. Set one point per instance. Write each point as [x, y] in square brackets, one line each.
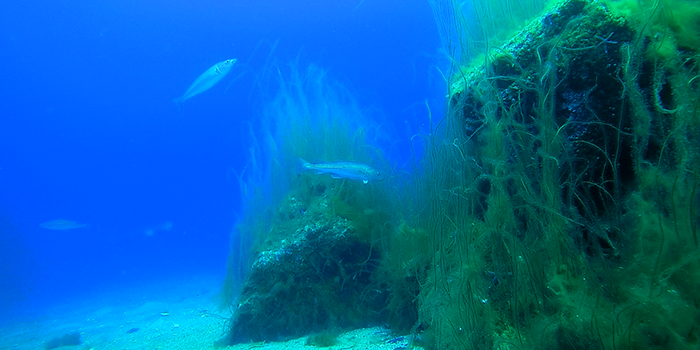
[345, 170]
[61, 225]
[208, 79]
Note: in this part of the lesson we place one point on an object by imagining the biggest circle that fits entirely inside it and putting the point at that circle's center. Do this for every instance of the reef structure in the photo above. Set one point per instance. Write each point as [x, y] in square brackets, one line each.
[557, 209]
[572, 163]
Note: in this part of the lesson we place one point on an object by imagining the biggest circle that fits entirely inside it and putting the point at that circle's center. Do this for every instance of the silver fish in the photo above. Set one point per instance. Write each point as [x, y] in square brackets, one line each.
[205, 81]
[61, 225]
[345, 170]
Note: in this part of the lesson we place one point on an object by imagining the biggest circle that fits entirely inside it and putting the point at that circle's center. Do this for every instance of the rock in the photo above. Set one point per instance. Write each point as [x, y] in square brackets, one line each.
[318, 279]
[68, 339]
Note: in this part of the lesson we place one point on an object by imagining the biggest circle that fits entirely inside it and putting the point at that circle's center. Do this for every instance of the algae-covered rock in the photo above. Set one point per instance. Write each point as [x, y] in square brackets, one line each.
[558, 84]
[576, 146]
[317, 279]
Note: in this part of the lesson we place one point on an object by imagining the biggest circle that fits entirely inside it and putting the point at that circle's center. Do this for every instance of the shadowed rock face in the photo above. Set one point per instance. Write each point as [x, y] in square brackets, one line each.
[558, 87]
[577, 141]
[320, 280]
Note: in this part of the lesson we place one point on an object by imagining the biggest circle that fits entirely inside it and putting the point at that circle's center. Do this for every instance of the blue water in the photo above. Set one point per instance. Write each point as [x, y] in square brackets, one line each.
[89, 132]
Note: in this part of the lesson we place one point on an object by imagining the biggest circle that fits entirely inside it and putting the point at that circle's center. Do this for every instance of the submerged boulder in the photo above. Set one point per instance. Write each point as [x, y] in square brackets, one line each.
[573, 149]
[318, 278]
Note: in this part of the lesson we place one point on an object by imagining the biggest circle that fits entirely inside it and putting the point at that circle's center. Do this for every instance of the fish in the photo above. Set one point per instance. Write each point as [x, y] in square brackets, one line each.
[345, 170]
[61, 225]
[208, 79]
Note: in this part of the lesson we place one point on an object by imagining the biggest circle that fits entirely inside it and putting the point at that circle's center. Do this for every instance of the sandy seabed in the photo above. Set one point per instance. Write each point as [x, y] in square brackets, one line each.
[169, 315]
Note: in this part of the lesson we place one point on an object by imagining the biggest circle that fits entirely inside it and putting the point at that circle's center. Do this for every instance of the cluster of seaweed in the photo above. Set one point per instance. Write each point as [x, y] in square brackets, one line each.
[562, 195]
[555, 205]
[313, 242]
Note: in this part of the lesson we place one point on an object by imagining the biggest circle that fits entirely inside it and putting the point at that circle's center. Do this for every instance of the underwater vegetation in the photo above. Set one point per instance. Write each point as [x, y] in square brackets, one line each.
[556, 206]
[315, 240]
[564, 214]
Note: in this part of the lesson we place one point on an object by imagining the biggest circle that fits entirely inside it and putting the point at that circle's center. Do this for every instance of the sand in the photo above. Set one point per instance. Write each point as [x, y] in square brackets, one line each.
[166, 315]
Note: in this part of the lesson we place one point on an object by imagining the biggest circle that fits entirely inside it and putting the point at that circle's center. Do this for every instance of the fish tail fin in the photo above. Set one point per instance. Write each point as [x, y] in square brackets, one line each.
[303, 166]
[178, 103]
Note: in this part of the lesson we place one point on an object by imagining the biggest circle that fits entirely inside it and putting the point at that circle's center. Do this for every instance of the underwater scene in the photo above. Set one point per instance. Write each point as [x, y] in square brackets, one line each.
[351, 174]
